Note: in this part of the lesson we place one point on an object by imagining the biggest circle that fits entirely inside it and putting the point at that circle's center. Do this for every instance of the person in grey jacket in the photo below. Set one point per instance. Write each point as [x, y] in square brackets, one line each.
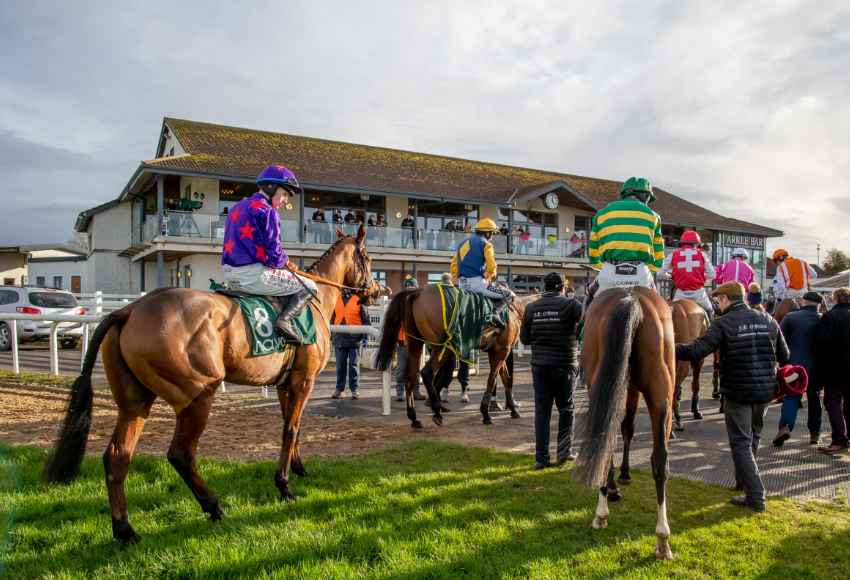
[549, 327]
[750, 344]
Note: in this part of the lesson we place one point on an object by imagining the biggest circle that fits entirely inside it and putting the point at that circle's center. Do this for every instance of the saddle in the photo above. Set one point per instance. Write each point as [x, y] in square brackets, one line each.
[277, 302]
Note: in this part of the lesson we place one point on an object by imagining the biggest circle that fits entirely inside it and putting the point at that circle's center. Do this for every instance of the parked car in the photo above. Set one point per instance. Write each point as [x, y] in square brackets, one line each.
[35, 301]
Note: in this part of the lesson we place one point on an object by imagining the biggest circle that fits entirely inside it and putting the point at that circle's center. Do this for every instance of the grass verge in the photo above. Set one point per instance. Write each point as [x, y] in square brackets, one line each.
[422, 510]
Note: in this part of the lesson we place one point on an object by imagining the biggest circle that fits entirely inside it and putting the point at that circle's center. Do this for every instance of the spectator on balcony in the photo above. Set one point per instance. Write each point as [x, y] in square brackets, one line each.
[408, 224]
[319, 216]
[381, 223]
[337, 217]
[350, 218]
[371, 221]
[321, 232]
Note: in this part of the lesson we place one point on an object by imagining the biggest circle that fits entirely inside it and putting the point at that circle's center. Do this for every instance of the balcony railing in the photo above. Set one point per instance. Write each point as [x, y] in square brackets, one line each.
[211, 227]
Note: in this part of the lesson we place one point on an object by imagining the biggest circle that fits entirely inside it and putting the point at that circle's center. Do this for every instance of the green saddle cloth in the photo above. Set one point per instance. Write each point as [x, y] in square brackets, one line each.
[464, 316]
[260, 315]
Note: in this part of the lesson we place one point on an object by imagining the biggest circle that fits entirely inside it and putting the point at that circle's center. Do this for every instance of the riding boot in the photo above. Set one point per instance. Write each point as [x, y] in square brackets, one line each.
[496, 318]
[293, 308]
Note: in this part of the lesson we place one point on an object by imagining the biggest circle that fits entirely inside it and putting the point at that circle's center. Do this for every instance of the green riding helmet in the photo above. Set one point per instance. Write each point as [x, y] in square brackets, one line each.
[637, 185]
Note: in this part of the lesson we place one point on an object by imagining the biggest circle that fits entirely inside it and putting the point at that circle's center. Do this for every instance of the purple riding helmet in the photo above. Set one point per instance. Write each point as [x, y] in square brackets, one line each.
[280, 175]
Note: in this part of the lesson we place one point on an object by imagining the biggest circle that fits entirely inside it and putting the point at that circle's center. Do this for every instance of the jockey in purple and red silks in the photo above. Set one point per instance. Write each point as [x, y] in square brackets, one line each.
[252, 259]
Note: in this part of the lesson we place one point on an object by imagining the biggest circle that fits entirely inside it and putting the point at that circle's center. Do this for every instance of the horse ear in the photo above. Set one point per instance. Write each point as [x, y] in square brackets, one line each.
[339, 233]
[361, 234]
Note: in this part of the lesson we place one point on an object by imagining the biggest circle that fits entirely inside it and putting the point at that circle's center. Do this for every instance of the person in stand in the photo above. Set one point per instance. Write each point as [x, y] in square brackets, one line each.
[549, 327]
[736, 269]
[833, 364]
[626, 244]
[691, 270]
[463, 366]
[799, 328]
[793, 276]
[252, 258]
[751, 344]
[350, 218]
[474, 266]
[348, 312]
[402, 358]
[408, 224]
[319, 227]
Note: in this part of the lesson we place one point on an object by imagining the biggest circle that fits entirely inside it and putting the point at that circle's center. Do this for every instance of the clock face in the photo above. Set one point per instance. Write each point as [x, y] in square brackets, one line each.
[551, 200]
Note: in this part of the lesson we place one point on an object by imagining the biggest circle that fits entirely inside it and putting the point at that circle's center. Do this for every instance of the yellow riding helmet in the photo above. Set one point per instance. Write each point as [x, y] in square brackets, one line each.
[779, 253]
[486, 225]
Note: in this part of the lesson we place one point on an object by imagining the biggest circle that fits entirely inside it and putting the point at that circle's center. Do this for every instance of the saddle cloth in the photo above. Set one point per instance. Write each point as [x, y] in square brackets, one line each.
[260, 313]
[464, 316]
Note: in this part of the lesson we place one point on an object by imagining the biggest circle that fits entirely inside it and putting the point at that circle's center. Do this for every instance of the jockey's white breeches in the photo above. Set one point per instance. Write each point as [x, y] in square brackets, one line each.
[259, 279]
[479, 285]
[700, 296]
[609, 277]
[791, 293]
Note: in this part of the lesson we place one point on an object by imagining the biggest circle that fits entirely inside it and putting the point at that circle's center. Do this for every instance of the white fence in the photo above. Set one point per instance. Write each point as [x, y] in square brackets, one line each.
[87, 320]
[100, 303]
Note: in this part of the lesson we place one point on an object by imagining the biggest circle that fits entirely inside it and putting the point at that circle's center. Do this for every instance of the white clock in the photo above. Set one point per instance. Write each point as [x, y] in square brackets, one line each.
[551, 200]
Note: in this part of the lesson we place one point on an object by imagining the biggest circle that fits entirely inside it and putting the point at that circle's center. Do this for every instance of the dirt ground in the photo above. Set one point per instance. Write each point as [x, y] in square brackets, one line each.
[32, 414]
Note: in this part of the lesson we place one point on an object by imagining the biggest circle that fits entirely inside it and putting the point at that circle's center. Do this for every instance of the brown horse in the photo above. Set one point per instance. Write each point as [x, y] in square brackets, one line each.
[783, 308]
[418, 311]
[628, 350]
[689, 323]
[180, 344]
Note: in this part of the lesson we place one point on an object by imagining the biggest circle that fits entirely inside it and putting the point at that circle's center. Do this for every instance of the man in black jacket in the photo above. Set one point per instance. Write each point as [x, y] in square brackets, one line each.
[549, 328]
[750, 344]
[799, 329]
[833, 362]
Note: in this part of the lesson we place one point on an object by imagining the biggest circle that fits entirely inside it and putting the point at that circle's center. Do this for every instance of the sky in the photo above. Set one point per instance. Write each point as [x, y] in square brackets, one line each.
[742, 107]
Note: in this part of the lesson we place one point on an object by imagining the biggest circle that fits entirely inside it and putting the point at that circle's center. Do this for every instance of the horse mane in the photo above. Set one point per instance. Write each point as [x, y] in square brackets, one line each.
[327, 253]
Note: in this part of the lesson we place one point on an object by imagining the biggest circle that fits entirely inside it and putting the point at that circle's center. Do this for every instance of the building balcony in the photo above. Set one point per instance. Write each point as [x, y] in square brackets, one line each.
[181, 228]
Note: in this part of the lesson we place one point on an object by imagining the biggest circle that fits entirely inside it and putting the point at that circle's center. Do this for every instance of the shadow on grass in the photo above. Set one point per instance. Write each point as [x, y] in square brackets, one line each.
[423, 509]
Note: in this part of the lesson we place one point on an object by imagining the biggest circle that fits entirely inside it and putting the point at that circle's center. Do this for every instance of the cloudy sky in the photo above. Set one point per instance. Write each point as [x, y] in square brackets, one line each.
[743, 108]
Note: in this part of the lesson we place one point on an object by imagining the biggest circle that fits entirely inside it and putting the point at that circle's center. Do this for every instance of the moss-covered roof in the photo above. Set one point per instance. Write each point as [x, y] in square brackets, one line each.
[240, 153]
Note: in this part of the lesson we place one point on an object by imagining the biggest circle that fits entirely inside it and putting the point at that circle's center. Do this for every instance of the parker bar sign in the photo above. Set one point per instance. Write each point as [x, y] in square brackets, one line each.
[743, 241]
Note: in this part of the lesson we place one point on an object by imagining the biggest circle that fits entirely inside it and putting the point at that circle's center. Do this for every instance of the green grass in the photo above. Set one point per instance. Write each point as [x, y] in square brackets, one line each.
[421, 510]
[26, 378]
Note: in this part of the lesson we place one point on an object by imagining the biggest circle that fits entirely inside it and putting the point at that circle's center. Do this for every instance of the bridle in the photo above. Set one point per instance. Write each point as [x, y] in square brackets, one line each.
[360, 265]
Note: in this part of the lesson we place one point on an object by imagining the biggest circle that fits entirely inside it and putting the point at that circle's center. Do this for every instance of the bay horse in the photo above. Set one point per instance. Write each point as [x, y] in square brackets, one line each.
[628, 351]
[180, 344]
[783, 308]
[418, 311]
[689, 323]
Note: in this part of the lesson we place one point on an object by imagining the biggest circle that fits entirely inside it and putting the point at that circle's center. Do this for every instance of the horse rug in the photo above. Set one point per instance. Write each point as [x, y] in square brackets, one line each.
[464, 317]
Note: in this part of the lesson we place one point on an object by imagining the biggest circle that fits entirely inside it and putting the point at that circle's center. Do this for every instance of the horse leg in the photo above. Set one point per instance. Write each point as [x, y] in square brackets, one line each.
[292, 402]
[508, 383]
[297, 464]
[116, 464]
[715, 377]
[489, 392]
[600, 519]
[431, 374]
[613, 491]
[677, 417]
[414, 357]
[658, 413]
[627, 429]
[183, 450]
[696, 369]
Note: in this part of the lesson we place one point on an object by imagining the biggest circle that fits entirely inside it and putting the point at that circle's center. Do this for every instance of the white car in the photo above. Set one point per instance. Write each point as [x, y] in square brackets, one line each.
[35, 301]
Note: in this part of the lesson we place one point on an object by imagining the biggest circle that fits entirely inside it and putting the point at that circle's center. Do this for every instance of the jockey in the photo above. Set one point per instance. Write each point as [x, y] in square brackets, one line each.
[792, 276]
[253, 260]
[474, 266]
[690, 269]
[625, 239]
[736, 269]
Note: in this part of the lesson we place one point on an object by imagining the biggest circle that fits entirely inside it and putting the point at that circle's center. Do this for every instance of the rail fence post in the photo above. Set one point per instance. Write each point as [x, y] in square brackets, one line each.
[16, 364]
[386, 394]
[84, 346]
[54, 348]
[98, 302]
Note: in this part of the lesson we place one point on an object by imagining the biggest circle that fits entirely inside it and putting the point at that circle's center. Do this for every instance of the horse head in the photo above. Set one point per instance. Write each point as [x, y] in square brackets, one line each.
[350, 260]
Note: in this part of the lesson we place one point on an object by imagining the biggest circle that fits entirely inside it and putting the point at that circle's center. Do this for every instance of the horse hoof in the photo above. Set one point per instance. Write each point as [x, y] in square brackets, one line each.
[697, 416]
[599, 522]
[662, 550]
[438, 420]
[444, 409]
[124, 533]
[625, 478]
[487, 421]
[416, 424]
[515, 415]
[678, 427]
[287, 496]
[298, 469]
[673, 435]
[614, 495]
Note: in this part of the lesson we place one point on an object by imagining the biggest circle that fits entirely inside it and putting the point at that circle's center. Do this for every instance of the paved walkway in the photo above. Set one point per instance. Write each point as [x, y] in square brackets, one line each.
[701, 452]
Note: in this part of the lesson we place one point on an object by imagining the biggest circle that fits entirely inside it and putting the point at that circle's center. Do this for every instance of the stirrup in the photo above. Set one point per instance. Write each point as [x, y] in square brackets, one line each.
[285, 329]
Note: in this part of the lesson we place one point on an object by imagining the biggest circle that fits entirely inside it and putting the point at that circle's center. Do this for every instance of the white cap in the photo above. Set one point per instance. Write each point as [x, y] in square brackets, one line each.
[741, 252]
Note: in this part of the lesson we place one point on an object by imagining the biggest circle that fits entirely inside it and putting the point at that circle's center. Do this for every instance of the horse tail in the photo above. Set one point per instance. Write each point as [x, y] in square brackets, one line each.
[64, 462]
[608, 394]
[394, 320]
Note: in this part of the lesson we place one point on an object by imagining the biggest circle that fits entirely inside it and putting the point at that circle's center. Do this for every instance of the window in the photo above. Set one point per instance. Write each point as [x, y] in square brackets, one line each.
[435, 277]
[8, 281]
[8, 296]
[40, 281]
[53, 299]
[380, 277]
[57, 282]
